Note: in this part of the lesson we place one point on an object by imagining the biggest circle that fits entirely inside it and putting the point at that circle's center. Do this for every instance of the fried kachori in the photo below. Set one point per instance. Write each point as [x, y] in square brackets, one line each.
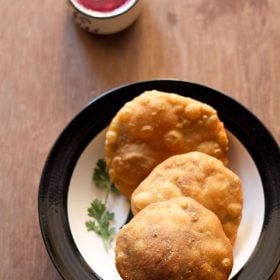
[197, 175]
[171, 240]
[154, 126]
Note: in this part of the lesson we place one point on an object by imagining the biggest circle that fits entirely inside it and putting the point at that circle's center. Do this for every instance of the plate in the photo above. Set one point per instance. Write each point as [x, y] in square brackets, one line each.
[66, 187]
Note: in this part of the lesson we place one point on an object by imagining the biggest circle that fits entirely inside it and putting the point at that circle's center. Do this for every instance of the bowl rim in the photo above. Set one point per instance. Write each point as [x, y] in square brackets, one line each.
[56, 174]
[105, 17]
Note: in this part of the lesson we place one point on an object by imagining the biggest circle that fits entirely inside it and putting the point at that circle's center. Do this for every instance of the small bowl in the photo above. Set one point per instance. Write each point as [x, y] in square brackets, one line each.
[99, 22]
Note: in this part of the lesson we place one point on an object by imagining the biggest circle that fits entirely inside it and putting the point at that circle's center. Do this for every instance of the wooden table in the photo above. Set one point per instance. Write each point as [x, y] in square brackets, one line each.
[49, 69]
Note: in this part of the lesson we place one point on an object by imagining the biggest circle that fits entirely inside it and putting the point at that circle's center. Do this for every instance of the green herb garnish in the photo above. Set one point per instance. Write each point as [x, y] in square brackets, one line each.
[100, 222]
[101, 177]
[101, 218]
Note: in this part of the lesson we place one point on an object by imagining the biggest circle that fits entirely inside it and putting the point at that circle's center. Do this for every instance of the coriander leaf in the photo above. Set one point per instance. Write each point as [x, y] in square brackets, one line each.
[100, 222]
[101, 177]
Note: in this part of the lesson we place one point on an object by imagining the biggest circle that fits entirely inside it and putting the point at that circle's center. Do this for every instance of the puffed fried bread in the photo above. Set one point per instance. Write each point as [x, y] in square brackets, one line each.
[154, 126]
[197, 175]
[171, 240]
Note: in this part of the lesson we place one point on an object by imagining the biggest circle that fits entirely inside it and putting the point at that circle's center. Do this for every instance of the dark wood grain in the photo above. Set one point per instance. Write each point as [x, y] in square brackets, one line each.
[49, 69]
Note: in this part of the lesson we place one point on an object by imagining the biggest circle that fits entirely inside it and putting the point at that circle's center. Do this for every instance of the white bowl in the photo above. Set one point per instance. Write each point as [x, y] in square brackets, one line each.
[105, 22]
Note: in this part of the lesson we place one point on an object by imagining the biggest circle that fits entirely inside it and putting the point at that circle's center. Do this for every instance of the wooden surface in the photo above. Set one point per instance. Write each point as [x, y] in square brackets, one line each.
[49, 69]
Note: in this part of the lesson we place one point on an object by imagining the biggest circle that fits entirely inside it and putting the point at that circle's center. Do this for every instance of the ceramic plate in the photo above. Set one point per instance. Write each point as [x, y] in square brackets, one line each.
[67, 188]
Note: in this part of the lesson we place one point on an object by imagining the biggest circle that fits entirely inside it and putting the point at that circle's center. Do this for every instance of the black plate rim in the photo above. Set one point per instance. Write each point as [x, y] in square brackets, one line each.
[53, 188]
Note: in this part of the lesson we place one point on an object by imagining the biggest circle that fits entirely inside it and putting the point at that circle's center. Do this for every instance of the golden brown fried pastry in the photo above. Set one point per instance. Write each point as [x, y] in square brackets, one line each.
[199, 176]
[171, 240]
[155, 126]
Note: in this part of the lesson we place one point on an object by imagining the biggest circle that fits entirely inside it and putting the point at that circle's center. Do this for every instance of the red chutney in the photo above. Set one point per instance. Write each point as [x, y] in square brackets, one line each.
[102, 5]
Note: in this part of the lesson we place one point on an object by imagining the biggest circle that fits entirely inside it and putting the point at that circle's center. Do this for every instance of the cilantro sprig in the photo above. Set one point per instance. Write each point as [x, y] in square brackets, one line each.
[101, 177]
[101, 218]
[100, 222]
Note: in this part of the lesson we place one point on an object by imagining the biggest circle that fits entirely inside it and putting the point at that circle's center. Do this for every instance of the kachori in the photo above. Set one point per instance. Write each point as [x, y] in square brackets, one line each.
[171, 240]
[154, 126]
[197, 175]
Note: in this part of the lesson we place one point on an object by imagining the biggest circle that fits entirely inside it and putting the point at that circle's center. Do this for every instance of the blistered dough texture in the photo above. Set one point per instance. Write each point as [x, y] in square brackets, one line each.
[155, 126]
[199, 176]
[172, 240]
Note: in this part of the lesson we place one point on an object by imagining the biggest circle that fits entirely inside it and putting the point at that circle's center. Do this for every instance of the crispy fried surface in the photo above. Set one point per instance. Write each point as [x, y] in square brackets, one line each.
[199, 176]
[172, 240]
[155, 126]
